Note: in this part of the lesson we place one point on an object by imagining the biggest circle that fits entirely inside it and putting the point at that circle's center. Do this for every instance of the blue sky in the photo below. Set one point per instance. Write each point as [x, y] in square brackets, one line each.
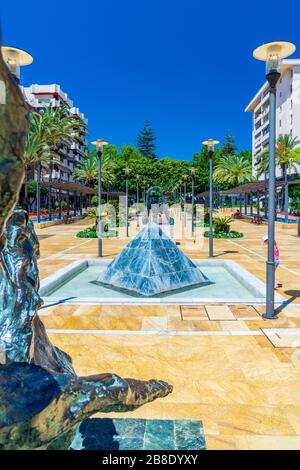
[186, 66]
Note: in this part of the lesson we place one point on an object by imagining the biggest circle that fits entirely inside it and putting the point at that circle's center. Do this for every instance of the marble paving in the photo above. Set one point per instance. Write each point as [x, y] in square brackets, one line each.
[139, 434]
[240, 376]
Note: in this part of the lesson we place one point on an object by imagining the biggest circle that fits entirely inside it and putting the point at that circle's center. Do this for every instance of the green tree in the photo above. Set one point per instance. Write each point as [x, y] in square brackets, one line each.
[47, 131]
[146, 141]
[229, 147]
[287, 157]
[88, 170]
[233, 169]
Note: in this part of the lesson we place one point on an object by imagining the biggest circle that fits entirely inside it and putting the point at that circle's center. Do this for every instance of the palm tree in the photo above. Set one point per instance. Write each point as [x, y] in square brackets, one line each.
[287, 156]
[48, 130]
[88, 170]
[37, 147]
[233, 169]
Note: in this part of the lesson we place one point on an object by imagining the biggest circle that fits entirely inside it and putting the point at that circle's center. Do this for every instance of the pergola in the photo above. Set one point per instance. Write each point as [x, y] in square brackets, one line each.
[247, 191]
[79, 191]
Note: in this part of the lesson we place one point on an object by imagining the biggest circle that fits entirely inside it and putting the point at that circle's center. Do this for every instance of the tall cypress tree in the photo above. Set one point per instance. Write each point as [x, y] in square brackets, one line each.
[146, 141]
[229, 146]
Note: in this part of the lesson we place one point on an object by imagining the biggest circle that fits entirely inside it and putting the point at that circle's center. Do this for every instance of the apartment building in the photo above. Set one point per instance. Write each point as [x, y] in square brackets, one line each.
[288, 110]
[70, 154]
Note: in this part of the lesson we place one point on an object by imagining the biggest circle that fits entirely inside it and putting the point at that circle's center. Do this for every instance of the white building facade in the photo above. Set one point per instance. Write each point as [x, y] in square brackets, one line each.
[70, 154]
[287, 112]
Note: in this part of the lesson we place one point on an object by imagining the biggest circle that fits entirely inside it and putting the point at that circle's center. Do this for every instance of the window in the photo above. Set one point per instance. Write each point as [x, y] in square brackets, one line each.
[280, 123]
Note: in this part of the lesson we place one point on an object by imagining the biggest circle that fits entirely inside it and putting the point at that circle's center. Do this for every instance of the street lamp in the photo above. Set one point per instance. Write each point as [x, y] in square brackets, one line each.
[185, 177]
[126, 170]
[99, 144]
[210, 143]
[180, 196]
[137, 188]
[14, 59]
[193, 171]
[137, 200]
[272, 53]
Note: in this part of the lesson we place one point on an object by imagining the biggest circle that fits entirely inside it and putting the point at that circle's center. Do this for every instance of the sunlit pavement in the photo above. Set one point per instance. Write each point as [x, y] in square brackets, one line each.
[231, 369]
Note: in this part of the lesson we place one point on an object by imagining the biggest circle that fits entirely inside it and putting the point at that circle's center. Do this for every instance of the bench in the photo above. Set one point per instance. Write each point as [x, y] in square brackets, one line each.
[68, 219]
[256, 219]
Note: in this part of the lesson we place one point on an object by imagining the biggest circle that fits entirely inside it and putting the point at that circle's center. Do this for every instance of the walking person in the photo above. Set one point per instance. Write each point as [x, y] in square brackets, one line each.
[276, 257]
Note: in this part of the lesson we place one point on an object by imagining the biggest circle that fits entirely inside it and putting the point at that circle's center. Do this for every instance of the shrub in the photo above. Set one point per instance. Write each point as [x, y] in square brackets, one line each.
[295, 205]
[91, 232]
[222, 224]
[231, 234]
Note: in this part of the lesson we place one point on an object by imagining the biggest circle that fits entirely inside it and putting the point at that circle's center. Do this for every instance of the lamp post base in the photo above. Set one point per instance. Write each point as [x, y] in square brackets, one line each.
[100, 248]
[269, 316]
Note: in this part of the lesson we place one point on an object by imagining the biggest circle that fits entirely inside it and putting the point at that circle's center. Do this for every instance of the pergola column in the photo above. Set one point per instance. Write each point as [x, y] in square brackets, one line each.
[75, 202]
[251, 205]
[266, 204]
[68, 204]
[80, 203]
[59, 204]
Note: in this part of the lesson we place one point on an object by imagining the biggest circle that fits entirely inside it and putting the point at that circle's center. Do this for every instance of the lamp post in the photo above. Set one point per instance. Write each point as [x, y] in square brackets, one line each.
[99, 144]
[180, 197]
[193, 171]
[126, 170]
[14, 59]
[210, 143]
[137, 189]
[272, 53]
[137, 201]
[185, 177]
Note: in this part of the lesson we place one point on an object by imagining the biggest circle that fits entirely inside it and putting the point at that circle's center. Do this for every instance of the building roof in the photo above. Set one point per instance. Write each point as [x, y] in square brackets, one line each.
[286, 65]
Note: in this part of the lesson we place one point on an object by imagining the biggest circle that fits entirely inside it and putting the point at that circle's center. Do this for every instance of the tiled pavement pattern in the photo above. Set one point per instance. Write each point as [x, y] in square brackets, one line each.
[240, 376]
[139, 434]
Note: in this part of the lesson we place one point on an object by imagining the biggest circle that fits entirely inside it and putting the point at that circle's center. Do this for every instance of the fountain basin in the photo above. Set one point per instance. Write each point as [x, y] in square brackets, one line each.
[230, 283]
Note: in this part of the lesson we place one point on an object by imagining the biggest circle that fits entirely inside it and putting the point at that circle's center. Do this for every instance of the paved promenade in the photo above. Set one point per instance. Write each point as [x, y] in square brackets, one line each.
[236, 372]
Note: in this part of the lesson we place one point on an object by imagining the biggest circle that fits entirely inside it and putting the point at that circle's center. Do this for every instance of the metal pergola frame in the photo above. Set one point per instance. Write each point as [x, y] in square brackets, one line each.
[248, 190]
[79, 190]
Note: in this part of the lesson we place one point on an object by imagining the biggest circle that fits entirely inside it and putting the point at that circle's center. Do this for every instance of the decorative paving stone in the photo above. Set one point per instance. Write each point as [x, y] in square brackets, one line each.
[152, 264]
[139, 434]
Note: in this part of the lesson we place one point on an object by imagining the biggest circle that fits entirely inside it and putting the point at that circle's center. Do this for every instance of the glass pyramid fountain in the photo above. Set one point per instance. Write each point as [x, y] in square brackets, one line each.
[151, 264]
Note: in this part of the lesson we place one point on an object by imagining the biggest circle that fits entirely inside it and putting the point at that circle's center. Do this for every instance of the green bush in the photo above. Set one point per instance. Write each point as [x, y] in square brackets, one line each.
[32, 188]
[91, 232]
[222, 224]
[295, 205]
[231, 234]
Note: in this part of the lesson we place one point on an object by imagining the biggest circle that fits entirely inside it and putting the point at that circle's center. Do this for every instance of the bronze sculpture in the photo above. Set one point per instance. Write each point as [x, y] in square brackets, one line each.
[41, 397]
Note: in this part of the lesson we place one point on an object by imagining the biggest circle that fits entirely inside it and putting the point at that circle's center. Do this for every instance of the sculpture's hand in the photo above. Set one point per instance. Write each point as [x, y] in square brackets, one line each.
[118, 394]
